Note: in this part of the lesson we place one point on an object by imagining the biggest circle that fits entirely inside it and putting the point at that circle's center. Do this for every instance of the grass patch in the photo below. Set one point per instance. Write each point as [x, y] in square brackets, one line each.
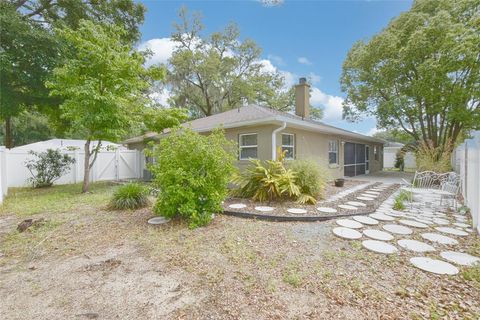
[25, 202]
[472, 274]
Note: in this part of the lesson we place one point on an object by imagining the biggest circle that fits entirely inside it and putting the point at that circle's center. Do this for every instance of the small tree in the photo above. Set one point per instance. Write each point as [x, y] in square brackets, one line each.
[102, 85]
[48, 167]
[192, 173]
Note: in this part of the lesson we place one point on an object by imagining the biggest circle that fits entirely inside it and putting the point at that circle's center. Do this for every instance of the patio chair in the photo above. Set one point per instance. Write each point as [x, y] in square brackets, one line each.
[453, 188]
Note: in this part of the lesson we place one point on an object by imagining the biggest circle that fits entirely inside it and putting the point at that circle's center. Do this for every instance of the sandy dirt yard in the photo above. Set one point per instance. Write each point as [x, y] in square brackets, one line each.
[86, 262]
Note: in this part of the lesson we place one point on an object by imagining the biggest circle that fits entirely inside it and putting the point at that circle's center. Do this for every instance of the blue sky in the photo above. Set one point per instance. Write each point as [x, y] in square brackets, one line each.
[298, 38]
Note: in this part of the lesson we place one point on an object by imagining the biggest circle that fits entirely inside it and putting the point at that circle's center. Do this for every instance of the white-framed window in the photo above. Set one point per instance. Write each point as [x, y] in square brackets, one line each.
[375, 152]
[248, 144]
[288, 144]
[333, 152]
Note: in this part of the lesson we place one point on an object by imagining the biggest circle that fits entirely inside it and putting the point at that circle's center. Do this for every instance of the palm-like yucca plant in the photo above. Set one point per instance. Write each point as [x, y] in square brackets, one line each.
[267, 181]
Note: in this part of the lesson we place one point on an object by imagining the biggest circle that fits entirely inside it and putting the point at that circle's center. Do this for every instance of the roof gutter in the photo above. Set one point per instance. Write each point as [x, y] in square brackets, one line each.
[274, 139]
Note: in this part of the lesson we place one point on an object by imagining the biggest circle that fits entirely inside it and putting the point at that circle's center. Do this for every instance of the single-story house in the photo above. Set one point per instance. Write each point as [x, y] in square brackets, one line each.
[260, 131]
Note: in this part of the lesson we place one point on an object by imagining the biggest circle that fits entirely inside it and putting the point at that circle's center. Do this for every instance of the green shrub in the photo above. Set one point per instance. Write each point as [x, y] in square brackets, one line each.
[431, 158]
[398, 205]
[310, 178]
[400, 198]
[48, 167]
[192, 172]
[130, 196]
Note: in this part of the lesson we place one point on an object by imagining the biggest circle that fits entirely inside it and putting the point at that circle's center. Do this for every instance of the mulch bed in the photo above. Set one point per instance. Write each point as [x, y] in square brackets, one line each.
[282, 207]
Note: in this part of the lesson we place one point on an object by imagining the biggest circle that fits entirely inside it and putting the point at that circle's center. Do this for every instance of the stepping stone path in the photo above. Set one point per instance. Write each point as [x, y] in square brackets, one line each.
[365, 198]
[434, 266]
[461, 225]
[347, 233]
[296, 211]
[356, 203]
[460, 258]
[381, 216]
[412, 223]
[237, 206]
[367, 195]
[347, 207]
[158, 220]
[347, 223]
[422, 220]
[394, 214]
[397, 229]
[436, 237]
[373, 192]
[379, 246]
[414, 245]
[365, 220]
[453, 231]
[378, 234]
[264, 209]
[441, 221]
[327, 210]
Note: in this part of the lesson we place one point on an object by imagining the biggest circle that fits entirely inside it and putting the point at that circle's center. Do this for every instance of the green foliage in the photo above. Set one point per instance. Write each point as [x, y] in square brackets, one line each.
[394, 135]
[158, 119]
[192, 172]
[400, 160]
[271, 180]
[48, 167]
[472, 274]
[214, 73]
[421, 73]
[431, 158]
[29, 127]
[130, 196]
[102, 85]
[398, 205]
[402, 196]
[311, 178]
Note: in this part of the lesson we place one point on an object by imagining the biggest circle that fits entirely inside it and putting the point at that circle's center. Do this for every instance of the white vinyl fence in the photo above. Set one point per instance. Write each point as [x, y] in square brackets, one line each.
[390, 155]
[466, 162]
[110, 165]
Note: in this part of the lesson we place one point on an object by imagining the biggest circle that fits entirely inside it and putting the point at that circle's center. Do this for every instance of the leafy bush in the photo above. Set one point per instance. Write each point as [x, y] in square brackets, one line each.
[398, 204]
[268, 180]
[130, 196]
[271, 180]
[192, 172]
[310, 178]
[431, 158]
[402, 196]
[400, 160]
[48, 167]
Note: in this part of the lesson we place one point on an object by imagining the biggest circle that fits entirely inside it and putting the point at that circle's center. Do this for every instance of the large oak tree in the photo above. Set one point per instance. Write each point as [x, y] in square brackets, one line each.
[421, 73]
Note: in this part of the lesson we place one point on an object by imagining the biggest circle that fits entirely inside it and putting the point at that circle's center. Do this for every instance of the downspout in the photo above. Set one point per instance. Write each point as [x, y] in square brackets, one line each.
[274, 140]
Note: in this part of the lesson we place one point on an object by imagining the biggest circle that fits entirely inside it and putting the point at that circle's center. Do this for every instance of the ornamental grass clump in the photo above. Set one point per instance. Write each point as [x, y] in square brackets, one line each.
[130, 196]
[311, 178]
[192, 172]
[434, 158]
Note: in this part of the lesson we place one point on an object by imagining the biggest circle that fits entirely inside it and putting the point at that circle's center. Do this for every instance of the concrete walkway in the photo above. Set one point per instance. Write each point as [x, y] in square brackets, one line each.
[385, 177]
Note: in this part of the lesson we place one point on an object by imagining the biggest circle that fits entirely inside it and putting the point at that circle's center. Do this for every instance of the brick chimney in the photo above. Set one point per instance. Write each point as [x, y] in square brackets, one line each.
[302, 99]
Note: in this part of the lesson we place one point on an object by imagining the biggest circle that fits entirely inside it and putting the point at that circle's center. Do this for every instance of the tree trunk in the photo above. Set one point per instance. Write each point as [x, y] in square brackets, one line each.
[8, 133]
[86, 167]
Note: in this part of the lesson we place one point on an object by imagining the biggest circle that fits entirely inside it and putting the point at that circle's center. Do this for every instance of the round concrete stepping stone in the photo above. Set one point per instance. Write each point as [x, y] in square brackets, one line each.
[378, 234]
[347, 207]
[365, 198]
[237, 206]
[158, 220]
[264, 208]
[379, 246]
[422, 220]
[460, 258]
[368, 195]
[397, 229]
[357, 203]
[395, 214]
[414, 245]
[453, 231]
[461, 225]
[412, 223]
[326, 209]
[441, 221]
[459, 217]
[365, 220]
[469, 230]
[347, 223]
[296, 210]
[376, 193]
[433, 265]
[381, 217]
[436, 237]
[347, 233]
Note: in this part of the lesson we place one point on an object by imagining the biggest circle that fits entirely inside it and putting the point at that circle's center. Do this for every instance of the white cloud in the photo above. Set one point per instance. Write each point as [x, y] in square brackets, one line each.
[372, 131]
[304, 60]
[332, 105]
[271, 3]
[276, 59]
[314, 78]
[161, 96]
[161, 48]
